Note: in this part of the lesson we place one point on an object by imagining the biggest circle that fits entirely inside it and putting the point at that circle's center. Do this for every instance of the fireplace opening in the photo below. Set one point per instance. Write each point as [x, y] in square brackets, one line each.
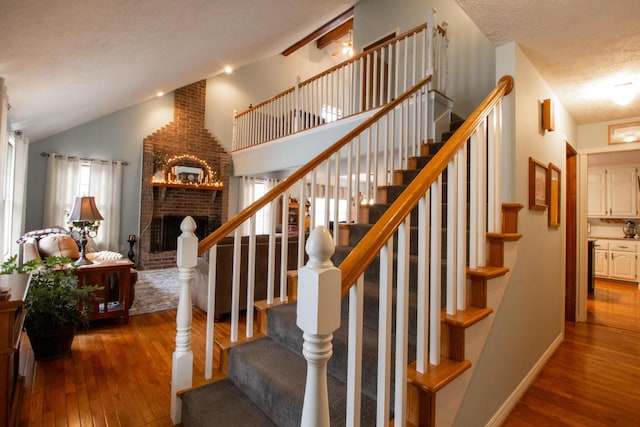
[166, 230]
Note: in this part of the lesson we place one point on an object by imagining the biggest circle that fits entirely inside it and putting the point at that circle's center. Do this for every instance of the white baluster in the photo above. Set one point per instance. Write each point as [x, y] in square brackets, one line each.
[296, 124]
[318, 317]
[182, 366]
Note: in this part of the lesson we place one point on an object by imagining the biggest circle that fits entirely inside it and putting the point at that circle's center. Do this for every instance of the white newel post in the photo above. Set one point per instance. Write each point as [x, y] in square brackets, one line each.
[182, 367]
[319, 285]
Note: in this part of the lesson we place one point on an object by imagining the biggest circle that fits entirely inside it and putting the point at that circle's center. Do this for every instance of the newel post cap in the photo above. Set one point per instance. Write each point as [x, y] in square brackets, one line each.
[319, 287]
[187, 256]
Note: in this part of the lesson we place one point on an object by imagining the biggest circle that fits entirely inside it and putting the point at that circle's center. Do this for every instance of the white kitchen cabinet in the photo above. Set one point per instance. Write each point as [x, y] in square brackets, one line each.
[613, 192]
[616, 259]
[601, 268]
[597, 192]
[622, 265]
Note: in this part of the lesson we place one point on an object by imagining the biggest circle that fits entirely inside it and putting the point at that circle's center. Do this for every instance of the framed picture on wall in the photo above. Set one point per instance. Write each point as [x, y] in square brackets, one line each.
[553, 194]
[537, 185]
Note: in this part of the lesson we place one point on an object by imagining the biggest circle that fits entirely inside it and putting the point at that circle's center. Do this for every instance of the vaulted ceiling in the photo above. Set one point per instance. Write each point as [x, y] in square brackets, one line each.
[68, 62]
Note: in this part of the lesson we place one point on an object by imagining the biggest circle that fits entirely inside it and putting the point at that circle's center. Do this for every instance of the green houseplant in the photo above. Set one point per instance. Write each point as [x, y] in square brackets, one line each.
[55, 306]
[10, 266]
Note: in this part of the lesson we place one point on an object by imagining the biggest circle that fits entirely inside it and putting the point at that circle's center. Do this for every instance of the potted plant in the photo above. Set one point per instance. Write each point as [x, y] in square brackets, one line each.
[14, 275]
[160, 162]
[55, 306]
[10, 266]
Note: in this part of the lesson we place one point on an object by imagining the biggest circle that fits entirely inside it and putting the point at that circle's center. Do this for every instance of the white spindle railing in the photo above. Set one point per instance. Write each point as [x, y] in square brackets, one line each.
[425, 193]
[364, 82]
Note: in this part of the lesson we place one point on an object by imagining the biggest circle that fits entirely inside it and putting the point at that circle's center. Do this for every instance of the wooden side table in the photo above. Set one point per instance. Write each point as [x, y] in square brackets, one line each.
[115, 278]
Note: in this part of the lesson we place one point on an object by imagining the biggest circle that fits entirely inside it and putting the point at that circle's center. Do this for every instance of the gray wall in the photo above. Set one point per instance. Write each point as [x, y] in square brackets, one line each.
[117, 136]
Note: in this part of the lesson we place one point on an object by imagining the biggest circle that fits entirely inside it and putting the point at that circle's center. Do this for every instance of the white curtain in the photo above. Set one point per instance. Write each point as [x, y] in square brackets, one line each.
[64, 184]
[252, 190]
[105, 184]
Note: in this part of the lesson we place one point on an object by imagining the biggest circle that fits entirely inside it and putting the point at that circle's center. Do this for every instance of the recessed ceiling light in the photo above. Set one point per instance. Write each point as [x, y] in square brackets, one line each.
[228, 69]
[159, 93]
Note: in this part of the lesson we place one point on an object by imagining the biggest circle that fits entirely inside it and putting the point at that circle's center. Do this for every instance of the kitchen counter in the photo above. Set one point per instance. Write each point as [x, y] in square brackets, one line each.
[591, 238]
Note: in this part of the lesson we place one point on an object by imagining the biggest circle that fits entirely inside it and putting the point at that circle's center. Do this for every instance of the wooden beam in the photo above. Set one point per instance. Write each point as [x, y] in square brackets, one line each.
[348, 14]
[335, 34]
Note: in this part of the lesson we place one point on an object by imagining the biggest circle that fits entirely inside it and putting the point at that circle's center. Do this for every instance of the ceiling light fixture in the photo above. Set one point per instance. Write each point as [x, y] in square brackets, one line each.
[347, 48]
[228, 69]
[159, 93]
[623, 93]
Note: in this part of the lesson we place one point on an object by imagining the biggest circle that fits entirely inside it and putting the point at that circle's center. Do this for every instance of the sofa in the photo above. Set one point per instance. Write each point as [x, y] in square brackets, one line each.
[57, 241]
[224, 272]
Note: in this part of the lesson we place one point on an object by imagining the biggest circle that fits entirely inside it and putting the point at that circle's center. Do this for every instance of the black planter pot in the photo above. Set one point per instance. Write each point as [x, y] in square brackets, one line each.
[52, 344]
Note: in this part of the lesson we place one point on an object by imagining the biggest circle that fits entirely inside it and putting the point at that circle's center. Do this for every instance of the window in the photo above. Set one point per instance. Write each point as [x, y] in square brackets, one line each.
[7, 195]
[330, 113]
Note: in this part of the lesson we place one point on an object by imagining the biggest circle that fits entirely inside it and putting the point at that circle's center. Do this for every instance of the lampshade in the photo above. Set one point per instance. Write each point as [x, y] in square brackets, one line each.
[84, 209]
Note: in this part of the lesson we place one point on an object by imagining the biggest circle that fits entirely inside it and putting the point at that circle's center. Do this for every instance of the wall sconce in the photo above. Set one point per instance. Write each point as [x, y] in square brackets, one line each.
[548, 121]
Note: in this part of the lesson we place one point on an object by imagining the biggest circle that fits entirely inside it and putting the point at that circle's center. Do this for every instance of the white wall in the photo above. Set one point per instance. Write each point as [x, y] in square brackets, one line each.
[531, 316]
[471, 56]
[596, 136]
[117, 136]
[253, 84]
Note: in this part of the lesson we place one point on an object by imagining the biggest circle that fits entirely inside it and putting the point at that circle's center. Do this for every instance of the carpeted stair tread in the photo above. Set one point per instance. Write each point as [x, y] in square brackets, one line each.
[282, 329]
[274, 378]
[221, 403]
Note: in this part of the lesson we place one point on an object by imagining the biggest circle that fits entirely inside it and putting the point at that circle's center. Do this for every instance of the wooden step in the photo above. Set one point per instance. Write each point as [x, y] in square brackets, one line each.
[422, 388]
[495, 244]
[477, 284]
[263, 306]
[224, 344]
[453, 330]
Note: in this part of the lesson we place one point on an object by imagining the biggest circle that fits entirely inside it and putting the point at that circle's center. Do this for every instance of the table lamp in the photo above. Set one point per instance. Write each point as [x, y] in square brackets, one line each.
[85, 212]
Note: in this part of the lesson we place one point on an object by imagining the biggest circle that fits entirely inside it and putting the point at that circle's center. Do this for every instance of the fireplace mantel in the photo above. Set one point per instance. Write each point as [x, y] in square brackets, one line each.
[163, 186]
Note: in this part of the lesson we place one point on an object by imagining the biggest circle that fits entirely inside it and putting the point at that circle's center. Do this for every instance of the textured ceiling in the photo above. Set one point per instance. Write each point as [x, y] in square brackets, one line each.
[67, 62]
[582, 48]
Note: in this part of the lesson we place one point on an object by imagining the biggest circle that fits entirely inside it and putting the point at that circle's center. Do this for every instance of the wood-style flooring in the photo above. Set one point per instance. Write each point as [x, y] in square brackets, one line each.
[593, 379]
[118, 374]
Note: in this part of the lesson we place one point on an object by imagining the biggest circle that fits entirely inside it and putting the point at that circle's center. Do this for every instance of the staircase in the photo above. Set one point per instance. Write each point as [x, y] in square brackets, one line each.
[413, 269]
[266, 376]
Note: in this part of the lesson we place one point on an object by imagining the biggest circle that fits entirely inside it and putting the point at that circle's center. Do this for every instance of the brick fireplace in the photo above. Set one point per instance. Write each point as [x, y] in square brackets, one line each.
[185, 171]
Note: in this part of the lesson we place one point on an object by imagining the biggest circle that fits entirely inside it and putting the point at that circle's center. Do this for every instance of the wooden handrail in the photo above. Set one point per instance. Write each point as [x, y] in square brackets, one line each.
[273, 98]
[369, 247]
[276, 191]
[404, 35]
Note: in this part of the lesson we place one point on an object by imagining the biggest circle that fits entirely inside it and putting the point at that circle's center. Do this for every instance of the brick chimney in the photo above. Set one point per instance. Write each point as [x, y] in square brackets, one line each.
[188, 143]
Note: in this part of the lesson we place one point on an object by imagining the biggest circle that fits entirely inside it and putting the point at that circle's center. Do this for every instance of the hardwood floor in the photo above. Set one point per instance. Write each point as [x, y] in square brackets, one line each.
[118, 374]
[593, 377]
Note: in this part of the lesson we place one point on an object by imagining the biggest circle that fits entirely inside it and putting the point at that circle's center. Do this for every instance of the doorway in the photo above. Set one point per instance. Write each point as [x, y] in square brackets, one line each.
[571, 237]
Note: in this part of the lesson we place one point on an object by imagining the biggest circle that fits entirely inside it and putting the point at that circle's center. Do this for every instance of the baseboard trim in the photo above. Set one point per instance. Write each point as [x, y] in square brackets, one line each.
[500, 416]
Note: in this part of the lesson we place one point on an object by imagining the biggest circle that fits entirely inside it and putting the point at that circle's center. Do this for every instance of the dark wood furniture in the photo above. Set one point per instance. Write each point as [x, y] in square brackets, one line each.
[11, 320]
[115, 277]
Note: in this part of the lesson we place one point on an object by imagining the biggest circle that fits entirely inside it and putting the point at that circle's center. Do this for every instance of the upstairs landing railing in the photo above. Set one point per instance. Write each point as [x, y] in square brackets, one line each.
[335, 184]
[366, 81]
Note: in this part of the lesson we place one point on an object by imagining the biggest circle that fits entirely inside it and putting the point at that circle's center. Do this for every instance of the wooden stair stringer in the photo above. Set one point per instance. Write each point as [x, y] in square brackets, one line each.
[493, 282]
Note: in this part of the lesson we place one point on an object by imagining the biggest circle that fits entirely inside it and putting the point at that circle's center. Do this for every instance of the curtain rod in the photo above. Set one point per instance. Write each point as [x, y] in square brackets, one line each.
[83, 159]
